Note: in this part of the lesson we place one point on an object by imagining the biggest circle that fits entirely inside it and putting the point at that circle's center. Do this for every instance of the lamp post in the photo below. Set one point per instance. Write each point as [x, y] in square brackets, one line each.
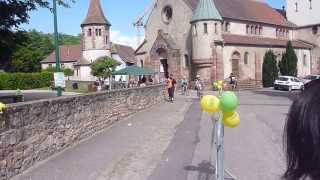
[56, 44]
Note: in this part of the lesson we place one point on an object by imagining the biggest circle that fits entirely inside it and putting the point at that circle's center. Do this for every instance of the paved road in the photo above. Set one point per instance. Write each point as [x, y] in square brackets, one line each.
[172, 142]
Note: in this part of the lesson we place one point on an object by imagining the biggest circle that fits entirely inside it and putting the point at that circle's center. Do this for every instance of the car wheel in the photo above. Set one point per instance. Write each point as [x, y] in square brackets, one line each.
[276, 88]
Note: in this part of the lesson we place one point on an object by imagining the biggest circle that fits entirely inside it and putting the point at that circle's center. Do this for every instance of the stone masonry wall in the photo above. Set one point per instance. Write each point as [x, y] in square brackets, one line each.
[31, 132]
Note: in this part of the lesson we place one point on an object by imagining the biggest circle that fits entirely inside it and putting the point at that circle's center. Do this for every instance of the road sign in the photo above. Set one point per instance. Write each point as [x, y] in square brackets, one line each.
[59, 80]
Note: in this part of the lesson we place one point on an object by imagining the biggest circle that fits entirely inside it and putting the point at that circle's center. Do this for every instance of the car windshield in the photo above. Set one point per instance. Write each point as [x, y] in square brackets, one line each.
[310, 77]
[283, 79]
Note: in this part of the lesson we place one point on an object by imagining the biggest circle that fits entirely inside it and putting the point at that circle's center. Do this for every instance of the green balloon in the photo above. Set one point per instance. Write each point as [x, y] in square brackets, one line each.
[228, 101]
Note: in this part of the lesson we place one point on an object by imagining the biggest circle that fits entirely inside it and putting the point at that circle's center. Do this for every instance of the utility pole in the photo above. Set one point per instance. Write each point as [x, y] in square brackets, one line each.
[56, 44]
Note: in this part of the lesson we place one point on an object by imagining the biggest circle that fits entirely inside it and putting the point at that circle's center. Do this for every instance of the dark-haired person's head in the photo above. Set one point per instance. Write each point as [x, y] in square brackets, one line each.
[302, 135]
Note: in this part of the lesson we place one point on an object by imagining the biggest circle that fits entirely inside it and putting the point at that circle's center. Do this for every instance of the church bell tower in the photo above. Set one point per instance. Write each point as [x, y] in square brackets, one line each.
[96, 33]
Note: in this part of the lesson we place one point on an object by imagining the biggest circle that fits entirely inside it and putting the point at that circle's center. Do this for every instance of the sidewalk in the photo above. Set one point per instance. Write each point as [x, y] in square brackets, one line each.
[131, 149]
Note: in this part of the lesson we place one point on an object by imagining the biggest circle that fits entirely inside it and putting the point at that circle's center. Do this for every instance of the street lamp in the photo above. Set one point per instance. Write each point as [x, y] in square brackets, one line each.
[56, 44]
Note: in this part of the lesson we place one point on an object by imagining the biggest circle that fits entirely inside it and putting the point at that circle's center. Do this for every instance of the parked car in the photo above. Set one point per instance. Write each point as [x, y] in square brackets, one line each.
[288, 83]
[309, 78]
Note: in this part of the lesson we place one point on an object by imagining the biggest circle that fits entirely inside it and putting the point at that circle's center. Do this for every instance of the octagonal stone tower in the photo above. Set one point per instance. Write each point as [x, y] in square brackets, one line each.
[96, 33]
[206, 26]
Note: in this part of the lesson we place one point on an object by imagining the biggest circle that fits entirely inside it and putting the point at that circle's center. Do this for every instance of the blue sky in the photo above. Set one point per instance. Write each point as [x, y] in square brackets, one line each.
[121, 14]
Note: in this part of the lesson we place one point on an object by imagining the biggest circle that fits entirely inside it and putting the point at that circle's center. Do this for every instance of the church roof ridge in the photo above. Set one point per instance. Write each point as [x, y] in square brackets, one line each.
[206, 10]
[95, 14]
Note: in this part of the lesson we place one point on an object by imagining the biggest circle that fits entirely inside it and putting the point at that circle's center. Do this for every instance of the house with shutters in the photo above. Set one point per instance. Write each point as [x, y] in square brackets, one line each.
[95, 44]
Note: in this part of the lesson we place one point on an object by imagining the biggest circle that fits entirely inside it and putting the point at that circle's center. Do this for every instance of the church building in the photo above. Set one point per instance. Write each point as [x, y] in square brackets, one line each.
[95, 44]
[213, 38]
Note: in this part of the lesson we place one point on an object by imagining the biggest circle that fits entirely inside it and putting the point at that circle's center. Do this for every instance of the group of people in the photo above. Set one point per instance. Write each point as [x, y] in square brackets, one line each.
[302, 130]
[171, 86]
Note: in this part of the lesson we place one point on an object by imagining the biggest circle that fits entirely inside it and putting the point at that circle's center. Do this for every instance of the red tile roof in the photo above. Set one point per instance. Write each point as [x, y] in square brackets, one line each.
[247, 10]
[126, 53]
[68, 53]
[95, 14]
[261, 41]
[73, 53]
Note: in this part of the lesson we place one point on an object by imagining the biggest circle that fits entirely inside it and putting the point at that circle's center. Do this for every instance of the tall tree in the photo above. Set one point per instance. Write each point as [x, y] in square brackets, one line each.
[288, 63]
[270, 69]
[27, 55]
[13, 13]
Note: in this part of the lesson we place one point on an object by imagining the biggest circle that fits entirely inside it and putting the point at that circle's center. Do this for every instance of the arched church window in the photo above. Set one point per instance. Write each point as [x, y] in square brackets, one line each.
[167, 14]
[247, 29]
[246, 58]
[260, 30]
[252, 29]
[305, 60]
[216, 28]
[227, 26]
[195, 29]
[141, 63]
[107, 39]
[186, 60]
[90, 32]
[256, 31]
[310, 3]
[205, 28]
[99, 32]
[315, 30]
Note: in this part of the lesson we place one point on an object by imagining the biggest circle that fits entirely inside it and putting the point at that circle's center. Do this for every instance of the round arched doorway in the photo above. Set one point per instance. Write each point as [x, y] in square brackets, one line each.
[164, 67]
[235, 63]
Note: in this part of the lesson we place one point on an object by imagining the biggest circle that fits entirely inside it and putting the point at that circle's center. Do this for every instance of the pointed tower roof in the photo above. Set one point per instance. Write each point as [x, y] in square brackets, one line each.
[95, 14]
[206, 10]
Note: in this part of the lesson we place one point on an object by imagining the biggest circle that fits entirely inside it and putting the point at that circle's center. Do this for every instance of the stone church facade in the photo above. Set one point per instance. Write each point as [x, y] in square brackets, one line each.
[214, 38]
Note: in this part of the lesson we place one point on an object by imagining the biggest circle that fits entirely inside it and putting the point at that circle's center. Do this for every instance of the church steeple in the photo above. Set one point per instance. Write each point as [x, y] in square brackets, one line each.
[95, 15]
[206, 10]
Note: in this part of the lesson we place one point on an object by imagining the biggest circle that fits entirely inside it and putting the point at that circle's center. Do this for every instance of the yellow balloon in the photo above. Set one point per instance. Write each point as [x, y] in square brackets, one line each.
[231, 119]
[2, 107]
[210, 104]
[220, 83]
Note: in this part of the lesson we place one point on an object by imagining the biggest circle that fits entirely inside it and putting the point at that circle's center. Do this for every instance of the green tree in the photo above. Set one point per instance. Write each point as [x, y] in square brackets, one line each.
[289, 60]
[13, 14]
[269, 70]
[68, 72]
[27, 55]
[103, 68]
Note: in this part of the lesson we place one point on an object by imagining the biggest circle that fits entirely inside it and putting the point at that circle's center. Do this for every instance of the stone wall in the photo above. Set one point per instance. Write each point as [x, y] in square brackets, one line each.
[31, 132]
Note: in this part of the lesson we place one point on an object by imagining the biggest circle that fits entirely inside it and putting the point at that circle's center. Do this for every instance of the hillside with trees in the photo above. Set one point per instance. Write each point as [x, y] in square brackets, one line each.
[16, 44]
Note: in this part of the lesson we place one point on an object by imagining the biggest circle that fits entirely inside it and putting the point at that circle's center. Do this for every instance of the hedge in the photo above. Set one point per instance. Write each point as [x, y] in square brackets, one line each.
[13, 81]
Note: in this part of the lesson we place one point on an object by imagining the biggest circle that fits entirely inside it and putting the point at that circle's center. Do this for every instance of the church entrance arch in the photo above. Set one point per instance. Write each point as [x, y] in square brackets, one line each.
[235, 61]
[164, 66]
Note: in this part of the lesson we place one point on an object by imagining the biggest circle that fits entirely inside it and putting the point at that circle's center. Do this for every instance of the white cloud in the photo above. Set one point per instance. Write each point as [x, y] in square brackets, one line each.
[119, 38]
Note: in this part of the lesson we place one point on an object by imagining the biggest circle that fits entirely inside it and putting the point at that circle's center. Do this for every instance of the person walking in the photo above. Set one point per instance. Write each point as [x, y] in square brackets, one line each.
[171, 82]
[184, 86]
[198, 86]
[233, 81]
[302, 135]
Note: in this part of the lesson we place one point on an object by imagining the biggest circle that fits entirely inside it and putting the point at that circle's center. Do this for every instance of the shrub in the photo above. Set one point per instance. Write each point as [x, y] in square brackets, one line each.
[15, 81]
[270, 70]
[288, 63]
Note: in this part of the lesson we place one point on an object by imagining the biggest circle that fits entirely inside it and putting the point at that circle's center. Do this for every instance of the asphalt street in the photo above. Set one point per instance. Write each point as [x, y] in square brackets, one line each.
[172, 141]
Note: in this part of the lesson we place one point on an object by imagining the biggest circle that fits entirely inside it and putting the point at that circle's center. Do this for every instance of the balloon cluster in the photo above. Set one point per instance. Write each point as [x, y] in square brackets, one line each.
[227, 103]
[2, 107]
[219, 85]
